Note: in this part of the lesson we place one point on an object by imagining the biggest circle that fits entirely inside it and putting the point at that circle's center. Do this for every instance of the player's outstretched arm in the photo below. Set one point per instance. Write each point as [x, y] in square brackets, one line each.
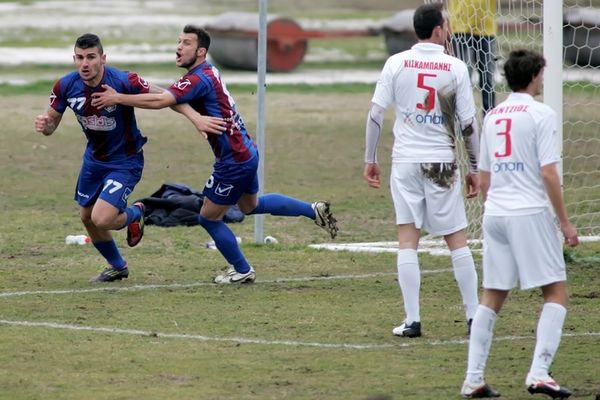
[554, 191]
[110, 97]
[47, 123]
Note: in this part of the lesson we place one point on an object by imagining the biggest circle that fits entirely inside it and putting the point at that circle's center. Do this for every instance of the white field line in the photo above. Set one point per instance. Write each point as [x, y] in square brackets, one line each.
[291, 343]
[200, 284]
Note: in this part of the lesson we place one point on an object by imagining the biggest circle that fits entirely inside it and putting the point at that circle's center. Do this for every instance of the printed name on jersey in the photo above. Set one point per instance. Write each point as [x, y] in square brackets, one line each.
[509, 109]
[430, 65]
[96, 123]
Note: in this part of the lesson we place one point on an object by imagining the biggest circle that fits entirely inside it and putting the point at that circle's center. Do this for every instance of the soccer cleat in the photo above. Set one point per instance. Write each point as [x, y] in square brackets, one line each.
[480, 391]
[324, 218]
[230, 275]
[135, 230]
[411, 331]
[469, 323]
[111, 274]
[547, 386]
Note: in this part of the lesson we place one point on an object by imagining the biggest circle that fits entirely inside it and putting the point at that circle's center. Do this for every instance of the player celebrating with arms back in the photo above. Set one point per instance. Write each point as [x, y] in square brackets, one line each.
[518, 174]
[113, 160]
[234, 179]
[430, 90]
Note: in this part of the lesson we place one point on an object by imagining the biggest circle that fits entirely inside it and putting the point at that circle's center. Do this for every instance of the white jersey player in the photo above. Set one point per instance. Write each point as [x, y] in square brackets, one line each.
[432, 95]
[518, 175]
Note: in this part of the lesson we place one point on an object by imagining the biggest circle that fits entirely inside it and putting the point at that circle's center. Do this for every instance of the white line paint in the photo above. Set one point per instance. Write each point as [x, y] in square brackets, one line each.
[200, 284]
[291, 343]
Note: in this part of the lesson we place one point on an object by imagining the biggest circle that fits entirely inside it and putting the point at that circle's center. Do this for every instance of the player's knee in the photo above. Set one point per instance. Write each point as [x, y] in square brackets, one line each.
[102, 221]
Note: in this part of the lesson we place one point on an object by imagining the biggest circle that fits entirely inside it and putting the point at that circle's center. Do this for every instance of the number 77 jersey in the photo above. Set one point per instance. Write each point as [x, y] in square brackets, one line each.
[518, 139]
[431, 92]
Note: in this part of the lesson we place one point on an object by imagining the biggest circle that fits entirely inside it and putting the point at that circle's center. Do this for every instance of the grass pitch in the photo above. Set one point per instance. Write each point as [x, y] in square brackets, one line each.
[316, 325]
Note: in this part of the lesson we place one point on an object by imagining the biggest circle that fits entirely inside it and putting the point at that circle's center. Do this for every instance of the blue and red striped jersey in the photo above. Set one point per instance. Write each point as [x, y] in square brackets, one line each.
[204, 90]
[112, 132]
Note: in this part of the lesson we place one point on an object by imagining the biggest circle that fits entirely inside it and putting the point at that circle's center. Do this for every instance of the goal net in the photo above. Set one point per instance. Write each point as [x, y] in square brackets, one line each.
[520, 24]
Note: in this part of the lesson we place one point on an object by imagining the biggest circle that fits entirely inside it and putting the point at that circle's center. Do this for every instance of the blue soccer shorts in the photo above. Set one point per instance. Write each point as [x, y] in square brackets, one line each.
[113, 185]
[229, 182]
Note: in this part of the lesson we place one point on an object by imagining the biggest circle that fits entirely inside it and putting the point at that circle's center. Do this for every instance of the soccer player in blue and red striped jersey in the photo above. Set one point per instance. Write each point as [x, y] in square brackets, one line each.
[234, 178]
[113, 159]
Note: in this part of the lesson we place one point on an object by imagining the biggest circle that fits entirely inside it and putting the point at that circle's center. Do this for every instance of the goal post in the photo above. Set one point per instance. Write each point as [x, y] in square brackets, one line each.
[568, 35]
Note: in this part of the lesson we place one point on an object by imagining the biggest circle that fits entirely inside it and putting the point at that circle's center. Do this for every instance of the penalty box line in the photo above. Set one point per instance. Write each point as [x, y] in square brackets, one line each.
[243, 340]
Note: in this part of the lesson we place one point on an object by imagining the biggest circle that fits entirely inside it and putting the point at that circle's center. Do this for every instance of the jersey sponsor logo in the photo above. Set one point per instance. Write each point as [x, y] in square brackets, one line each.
[508, 166]
[223, 189]
[182, 84]
[96, 123]
[434, 119]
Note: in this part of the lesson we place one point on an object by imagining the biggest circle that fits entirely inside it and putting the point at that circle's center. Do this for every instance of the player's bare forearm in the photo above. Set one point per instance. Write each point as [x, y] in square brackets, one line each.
[484, 184]
[47, 123]
[554, 191]
[204, 124]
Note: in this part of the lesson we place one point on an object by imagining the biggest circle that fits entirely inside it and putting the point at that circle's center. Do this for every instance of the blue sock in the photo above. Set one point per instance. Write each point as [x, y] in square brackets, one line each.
[226, 243]
[111, 253]
[279, 204]
[134, 213]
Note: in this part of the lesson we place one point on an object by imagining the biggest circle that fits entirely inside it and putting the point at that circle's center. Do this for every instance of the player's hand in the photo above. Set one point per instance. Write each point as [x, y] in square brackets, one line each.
[472, 184]
[107, 98]
[372, 174]
[42, 123]
[205, 125]
[570, 234]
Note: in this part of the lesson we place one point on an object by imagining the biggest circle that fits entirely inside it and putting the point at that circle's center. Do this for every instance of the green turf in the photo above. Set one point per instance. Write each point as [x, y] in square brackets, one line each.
[303, 298]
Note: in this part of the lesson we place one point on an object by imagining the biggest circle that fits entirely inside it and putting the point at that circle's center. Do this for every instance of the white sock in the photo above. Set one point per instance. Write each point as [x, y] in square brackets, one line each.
[409, 278]
[548, 335]
[480, 342]
[466, 277]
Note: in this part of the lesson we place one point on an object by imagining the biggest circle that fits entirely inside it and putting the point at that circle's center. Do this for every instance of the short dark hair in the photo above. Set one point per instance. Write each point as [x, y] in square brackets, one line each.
[87, 41]
[521, 67]
[201, 34]
[426, 18]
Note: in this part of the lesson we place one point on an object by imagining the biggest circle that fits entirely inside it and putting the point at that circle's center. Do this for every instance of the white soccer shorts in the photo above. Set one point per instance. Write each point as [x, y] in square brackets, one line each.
[417, 199]
[523, 249]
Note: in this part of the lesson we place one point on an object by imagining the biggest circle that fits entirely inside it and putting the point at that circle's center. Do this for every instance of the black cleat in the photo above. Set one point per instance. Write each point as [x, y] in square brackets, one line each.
[548, 387]
[483, 391]
[111, 274]
[411, 331]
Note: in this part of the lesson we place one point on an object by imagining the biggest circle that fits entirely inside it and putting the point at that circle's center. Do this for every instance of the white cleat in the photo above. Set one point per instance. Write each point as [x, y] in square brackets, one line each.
[230, 275]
